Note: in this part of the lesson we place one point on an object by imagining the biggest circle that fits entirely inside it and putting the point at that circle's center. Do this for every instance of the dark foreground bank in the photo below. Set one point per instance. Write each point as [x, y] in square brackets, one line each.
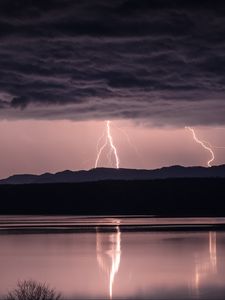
[168, 197]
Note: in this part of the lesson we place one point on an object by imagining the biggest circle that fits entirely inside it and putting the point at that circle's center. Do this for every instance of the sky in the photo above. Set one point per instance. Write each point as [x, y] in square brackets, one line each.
[152, 67]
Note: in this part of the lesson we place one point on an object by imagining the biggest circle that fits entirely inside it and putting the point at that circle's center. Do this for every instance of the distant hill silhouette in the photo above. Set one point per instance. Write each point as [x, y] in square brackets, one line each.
[101, 174]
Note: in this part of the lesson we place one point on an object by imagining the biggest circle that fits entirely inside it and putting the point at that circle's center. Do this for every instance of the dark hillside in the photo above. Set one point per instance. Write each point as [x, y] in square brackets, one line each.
[180, 197]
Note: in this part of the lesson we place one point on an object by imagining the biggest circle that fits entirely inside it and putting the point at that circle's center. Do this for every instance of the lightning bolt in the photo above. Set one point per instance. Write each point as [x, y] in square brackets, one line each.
[108, 142]
[109, 136]
[115, 256]
[205, 268]
[109, 254]
[203, 144]
[99, 151]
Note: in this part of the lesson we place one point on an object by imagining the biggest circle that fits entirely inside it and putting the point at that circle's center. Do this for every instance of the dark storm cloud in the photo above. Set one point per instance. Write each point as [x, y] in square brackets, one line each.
[163, 61]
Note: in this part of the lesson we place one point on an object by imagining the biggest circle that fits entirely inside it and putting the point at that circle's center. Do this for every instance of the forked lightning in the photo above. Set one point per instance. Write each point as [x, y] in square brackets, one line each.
[108, 142]
[203, 144]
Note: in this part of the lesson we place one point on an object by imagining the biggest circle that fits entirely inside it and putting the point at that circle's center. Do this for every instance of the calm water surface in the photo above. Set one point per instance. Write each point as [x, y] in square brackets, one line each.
[115, 257]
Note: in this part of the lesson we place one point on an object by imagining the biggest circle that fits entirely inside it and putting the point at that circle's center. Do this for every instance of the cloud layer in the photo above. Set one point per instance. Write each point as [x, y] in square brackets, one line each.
[157, 60]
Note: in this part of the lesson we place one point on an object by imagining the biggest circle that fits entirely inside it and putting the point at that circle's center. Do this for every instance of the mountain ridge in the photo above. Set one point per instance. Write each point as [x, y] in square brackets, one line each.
[101, 174]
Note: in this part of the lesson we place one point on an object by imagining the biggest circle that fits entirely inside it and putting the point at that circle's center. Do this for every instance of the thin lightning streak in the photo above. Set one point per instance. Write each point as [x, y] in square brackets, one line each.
[112, 144]
[109, 157]
[129, 140]
[100, 139]
[100, 152]
[217, 147]
[213, 146]
[108, 141]
[203, 144]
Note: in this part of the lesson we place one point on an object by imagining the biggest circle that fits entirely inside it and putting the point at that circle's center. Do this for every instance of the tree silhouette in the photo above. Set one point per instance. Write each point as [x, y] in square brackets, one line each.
[32, 290]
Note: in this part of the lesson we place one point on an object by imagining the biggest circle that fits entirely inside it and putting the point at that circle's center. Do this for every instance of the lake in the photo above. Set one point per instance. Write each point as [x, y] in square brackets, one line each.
[115, 257]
